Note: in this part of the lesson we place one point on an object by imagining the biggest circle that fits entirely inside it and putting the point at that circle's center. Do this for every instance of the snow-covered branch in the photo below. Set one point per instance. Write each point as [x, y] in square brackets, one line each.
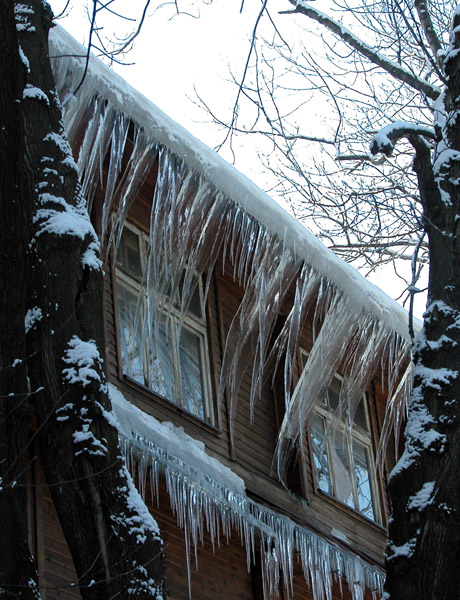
[426, 21]
[386, 138]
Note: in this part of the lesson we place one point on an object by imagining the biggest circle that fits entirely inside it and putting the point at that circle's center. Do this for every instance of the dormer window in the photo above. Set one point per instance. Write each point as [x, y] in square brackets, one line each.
[342, 454]
[170, 357]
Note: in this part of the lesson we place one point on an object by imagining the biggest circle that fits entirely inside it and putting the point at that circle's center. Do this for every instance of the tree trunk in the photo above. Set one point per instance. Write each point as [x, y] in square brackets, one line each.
[18, 576]
[423, 553]
[114, 542]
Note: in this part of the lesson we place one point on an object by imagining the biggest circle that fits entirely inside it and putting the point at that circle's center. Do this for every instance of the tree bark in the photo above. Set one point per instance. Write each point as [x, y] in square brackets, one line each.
[18, 577]
[423, 553]
[113, 540]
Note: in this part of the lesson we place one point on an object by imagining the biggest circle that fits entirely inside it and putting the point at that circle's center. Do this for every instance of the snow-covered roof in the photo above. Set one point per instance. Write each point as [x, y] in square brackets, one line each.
[105, 82]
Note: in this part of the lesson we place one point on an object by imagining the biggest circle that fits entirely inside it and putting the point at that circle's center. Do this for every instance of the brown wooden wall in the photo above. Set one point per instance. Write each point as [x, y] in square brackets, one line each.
[221, 574]
[249, 453]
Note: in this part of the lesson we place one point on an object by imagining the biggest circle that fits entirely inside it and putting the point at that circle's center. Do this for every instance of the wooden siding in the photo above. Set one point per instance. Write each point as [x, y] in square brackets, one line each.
[249, 453]
[221, 573]
[55, 564]
[251, 449]
[254, 443]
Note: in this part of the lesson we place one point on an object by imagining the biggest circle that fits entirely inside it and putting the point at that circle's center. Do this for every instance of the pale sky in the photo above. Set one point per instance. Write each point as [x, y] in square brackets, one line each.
[176, 53]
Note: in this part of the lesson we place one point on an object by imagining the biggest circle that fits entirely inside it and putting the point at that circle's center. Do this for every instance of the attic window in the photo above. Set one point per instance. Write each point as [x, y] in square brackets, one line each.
[342, 454]
[169, 357]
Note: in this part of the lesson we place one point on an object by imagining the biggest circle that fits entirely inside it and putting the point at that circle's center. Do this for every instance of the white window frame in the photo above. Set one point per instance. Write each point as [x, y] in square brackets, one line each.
[189, 321]
[334, 426]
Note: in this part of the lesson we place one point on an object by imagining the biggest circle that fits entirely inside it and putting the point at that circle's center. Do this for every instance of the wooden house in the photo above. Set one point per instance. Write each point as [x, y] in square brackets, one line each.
[250, 368]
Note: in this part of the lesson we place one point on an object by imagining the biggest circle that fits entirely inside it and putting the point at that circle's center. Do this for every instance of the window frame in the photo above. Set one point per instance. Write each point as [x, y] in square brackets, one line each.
[357, 434]
[198, 326]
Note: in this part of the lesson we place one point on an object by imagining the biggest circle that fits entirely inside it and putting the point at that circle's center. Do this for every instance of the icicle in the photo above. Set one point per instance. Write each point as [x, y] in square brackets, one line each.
[202, 504]
[139, 164]
[287, 341]
[192, 222]
[253, 324]
[338, 328]
[396, 411]
[117, 149]
[349, 338]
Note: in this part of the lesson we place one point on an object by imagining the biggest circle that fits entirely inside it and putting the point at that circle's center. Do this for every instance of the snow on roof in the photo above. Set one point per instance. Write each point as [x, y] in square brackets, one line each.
[105, 82]
[130, 420]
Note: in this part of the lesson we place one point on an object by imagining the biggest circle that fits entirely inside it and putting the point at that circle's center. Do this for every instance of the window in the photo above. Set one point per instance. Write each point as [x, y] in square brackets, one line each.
[170, 356]
[342, 456]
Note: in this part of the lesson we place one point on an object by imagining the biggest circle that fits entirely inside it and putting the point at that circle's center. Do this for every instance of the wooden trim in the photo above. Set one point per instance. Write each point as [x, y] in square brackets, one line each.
[303, 461]
[113, 275]
[301, 449]
[149, 396]
[210, 317]
[309, 445]
[220, 325]
[381, 472]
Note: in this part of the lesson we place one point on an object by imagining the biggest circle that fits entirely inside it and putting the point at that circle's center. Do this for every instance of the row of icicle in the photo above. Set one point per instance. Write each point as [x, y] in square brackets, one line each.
[202, 504]
[193, 224]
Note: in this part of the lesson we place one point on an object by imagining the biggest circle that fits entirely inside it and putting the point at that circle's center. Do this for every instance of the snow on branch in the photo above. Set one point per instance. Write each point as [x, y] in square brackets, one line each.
[84, 360]
[423, 498]
[32, 317]
[395, 70]
[386, 138]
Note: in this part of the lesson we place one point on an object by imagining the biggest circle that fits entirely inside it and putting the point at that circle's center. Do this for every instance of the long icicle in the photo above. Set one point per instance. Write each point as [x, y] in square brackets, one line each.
[189, 229]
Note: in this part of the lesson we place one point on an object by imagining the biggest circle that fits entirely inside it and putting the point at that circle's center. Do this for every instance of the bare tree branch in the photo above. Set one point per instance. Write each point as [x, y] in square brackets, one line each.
[354, 42]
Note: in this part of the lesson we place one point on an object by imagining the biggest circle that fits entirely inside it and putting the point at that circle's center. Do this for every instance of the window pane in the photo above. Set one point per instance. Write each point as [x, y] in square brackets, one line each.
[130, 335]
[195, 302]
[191, 372]
[333, 393]
[194, 306]
[320, 457]
[172, 368]
[360, 416]
[162, 363]
[340, 464]
[129, 253]
[362, 477]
